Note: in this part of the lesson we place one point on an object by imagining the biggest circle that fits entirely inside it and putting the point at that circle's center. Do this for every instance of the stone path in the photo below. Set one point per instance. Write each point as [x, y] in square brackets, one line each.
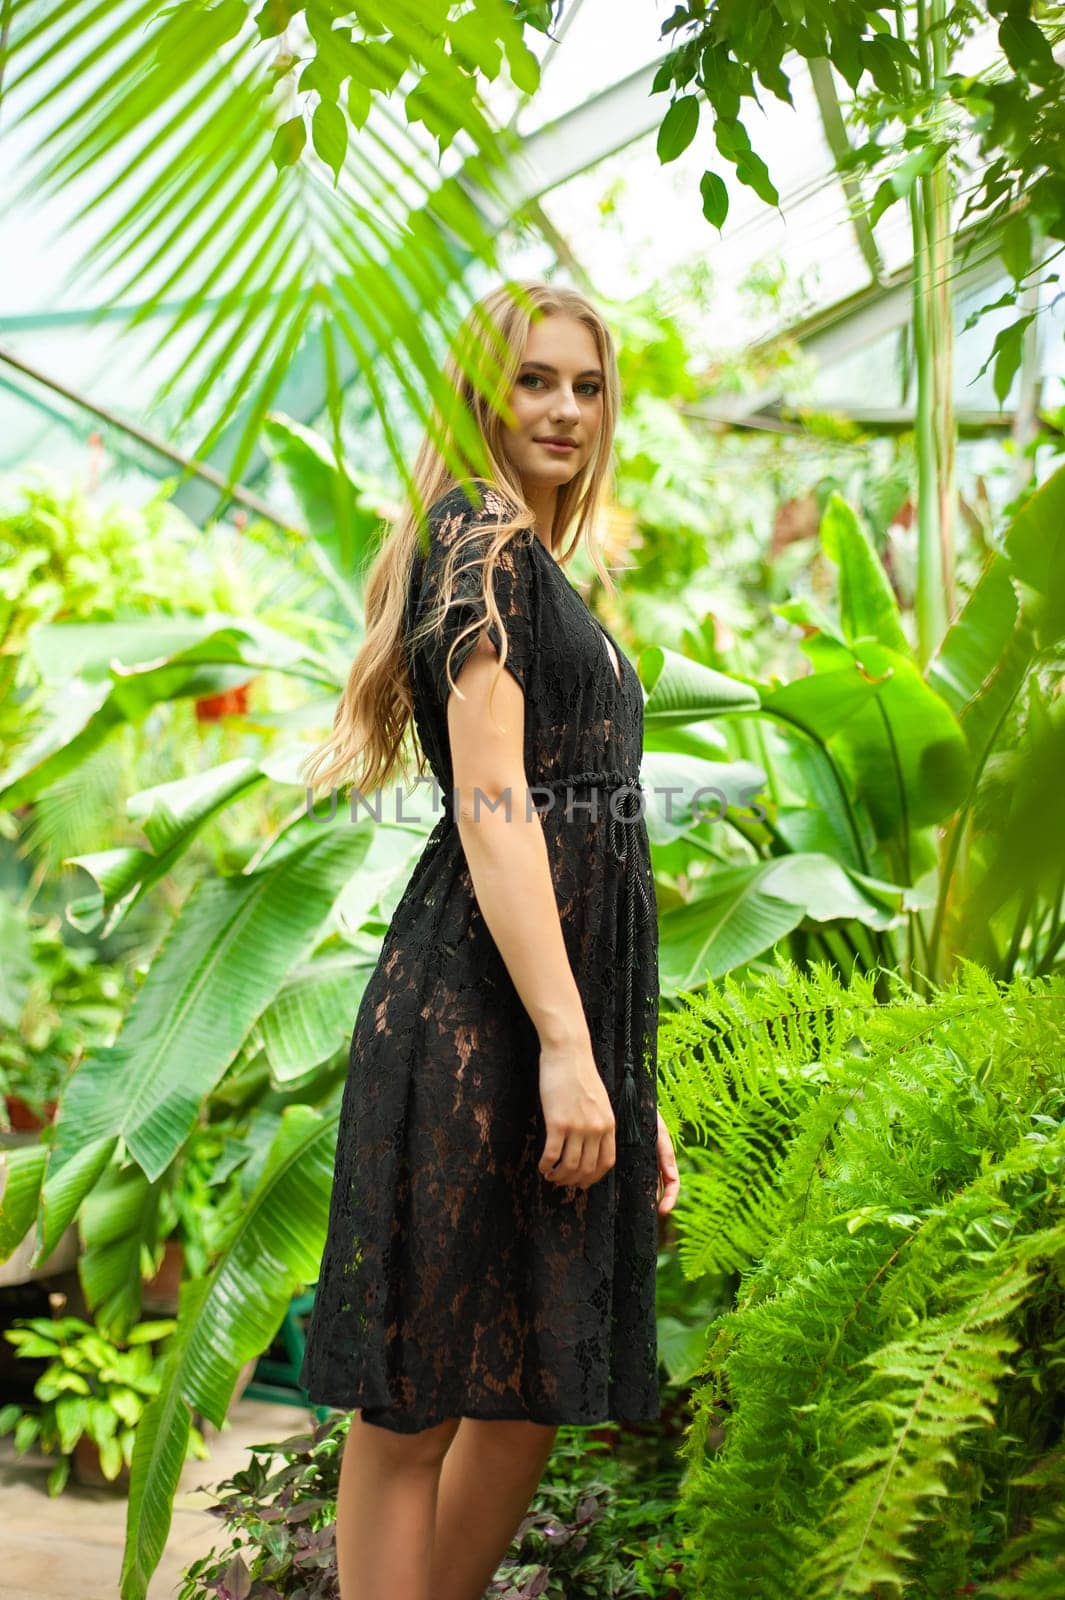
[70, 1548]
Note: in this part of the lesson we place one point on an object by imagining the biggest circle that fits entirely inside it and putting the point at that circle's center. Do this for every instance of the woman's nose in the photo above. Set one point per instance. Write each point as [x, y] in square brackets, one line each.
[566, 407]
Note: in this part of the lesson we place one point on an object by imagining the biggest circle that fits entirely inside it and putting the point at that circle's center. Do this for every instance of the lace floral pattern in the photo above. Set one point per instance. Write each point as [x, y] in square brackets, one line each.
[457, 1281]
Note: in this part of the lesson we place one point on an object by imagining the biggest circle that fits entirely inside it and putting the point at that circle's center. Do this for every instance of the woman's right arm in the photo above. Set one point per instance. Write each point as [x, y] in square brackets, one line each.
[507, 856]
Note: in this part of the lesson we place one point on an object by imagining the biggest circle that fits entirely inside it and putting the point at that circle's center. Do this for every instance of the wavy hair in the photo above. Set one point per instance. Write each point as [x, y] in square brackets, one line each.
[368, 743]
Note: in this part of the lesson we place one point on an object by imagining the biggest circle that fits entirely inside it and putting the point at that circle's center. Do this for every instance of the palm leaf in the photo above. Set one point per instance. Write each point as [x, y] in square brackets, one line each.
[228, 1319]
[220, 966]
[166, 121]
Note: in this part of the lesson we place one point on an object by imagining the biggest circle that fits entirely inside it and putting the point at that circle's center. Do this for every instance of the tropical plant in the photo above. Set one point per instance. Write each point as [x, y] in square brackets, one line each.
[250, 997]
[876, 755]
[275, 189]
[92, 1388]
[927, 124]
[67, 558]
[57, 1000]
[89, 584]
[886, 1178]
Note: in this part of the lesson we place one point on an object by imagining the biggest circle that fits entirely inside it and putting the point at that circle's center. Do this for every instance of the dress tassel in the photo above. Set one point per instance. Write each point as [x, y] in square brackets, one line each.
[628, 1113]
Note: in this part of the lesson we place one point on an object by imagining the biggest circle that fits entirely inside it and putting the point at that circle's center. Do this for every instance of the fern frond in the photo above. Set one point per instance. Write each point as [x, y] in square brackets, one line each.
[929, 1390]
[887, 1179]
[1034, 1561]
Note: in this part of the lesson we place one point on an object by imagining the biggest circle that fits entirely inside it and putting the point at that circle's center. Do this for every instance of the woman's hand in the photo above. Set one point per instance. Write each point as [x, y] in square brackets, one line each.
[580, 1119]
[668, 1176]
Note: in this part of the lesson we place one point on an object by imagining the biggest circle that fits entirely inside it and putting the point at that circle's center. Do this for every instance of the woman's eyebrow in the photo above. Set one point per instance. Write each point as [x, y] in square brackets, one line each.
[589, 372]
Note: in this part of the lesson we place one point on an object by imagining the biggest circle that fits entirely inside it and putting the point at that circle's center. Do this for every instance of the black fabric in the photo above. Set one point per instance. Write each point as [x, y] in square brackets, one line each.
[456, 1280]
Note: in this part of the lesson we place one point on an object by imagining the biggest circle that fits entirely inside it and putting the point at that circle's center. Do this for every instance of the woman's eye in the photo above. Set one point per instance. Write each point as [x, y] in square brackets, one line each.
[592, 389]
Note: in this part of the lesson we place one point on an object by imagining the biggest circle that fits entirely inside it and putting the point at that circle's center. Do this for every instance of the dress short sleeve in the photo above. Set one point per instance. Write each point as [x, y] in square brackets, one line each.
[450, 520]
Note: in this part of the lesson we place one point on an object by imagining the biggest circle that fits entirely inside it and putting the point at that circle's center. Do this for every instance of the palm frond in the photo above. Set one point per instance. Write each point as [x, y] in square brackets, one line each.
[163, 125]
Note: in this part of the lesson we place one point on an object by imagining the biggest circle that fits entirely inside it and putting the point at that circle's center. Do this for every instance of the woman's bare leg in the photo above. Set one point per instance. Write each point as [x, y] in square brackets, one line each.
[386, 1509]
[490, 1474]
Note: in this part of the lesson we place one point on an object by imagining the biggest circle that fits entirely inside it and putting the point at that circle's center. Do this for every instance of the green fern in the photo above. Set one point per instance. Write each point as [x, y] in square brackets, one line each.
[1035, 1559]
[887, 1179]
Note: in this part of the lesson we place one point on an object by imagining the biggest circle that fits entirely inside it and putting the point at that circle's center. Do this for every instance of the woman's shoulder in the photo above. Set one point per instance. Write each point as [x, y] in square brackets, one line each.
[468, 503]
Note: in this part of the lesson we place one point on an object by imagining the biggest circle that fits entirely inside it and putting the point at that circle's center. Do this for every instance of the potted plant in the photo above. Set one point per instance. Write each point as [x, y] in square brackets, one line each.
[57, 1000]
[92, 1394]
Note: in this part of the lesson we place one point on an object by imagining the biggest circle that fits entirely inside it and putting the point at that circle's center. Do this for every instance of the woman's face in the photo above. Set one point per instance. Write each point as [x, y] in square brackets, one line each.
[558, 394]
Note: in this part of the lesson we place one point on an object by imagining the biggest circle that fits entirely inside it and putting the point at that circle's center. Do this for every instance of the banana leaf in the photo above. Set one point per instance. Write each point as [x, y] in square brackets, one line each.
[222, 963]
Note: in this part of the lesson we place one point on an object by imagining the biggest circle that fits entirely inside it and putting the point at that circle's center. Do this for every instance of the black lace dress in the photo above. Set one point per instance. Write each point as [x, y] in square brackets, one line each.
[456, 1280]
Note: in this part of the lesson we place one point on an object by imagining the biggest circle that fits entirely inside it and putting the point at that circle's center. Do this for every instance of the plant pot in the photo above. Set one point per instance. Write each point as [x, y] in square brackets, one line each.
[161, 1292]
[23, 1118]
[227, 703]
[86, 1468]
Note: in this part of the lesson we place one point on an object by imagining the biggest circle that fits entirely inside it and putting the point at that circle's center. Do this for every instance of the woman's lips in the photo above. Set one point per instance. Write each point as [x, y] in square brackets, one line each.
[554, 444]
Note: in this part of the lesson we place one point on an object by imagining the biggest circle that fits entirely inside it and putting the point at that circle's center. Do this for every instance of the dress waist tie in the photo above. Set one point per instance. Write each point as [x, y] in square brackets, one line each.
[621, 842]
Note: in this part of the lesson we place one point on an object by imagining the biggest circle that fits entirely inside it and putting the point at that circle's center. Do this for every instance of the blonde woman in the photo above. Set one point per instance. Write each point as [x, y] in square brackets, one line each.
[489, 1270]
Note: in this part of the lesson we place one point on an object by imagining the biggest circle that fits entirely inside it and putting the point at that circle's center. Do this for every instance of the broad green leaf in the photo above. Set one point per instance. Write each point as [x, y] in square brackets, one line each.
[824, 702]
[312, 1015]
[682, 1348]
[1007, 352]
[288, 142]
[123, 677]
[752, 171]
[737, 913]
[1027, 857]
[1015, 245]
[24, 1167]
[63, 1190]
[115, 1221]
[676, 784]
[524, 64]
[167, 811]
[227, 1319]
[868, 608]
[337, 505]
[731, 918]
[703, 740]
[1027, 47]
[827, 891]
[159, 1451]
[904, 751]
[329, 131]
[678, 128]
[899, 896]
[219, 968]
[974, 644]
[172, 814]
[682, 691]
[715, 198]
[1035, 544]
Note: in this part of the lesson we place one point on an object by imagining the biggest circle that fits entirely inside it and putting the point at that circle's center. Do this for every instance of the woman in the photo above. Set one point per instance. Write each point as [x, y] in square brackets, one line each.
[489, 1271]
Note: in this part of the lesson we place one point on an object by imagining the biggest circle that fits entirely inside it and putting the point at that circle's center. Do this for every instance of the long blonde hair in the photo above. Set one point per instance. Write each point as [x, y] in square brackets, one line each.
[372, 718]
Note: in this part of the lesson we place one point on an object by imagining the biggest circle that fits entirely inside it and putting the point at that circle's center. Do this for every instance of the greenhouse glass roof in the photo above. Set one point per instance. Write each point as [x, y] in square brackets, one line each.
[606, 206]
